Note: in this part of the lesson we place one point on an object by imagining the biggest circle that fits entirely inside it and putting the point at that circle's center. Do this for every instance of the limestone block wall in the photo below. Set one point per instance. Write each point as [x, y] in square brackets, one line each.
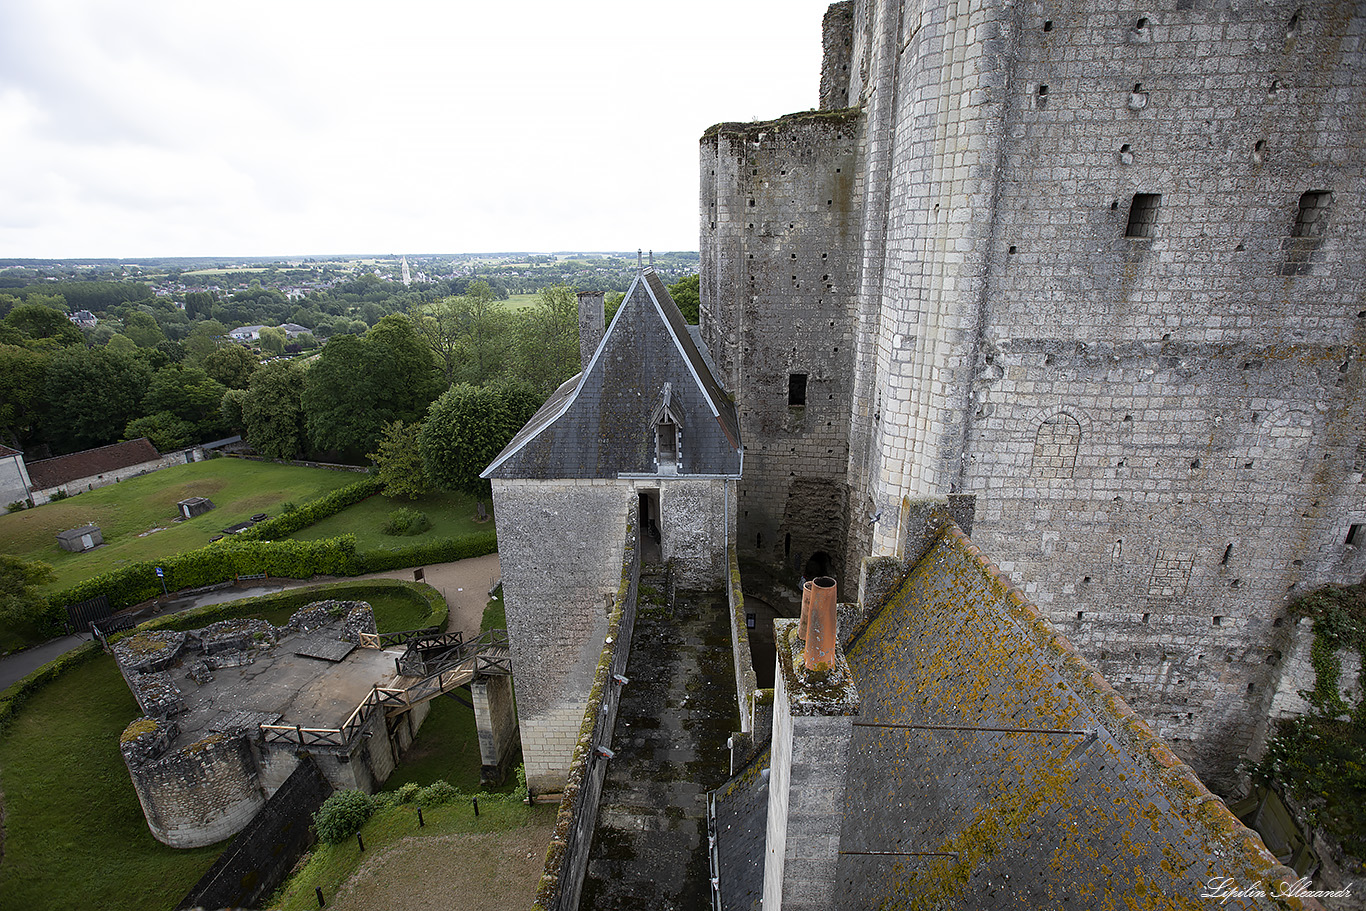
[780, 214]
[557, 604]
[200, 794]
[696, 529]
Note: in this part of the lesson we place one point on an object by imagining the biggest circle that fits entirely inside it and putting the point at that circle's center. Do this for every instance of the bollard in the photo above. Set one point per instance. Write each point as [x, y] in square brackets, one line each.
[420, 822]
[319, 890]
[360, 841]
[475, 801]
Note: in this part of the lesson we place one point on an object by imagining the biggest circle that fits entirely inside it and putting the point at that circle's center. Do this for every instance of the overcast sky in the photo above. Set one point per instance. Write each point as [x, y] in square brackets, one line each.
[178, 128]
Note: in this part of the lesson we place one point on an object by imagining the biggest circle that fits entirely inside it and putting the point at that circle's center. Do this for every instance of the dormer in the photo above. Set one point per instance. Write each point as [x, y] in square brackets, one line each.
[667, 420]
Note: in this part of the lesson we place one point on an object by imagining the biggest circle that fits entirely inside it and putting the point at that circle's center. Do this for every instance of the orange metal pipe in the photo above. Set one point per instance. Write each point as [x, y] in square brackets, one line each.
[820, 625]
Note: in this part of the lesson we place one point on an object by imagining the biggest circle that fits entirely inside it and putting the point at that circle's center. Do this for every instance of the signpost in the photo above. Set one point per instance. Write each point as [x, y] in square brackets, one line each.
[161, 574]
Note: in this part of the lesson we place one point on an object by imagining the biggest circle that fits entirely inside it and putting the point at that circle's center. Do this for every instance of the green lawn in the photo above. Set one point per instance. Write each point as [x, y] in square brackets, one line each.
[74, 835]
[238, 488]
[517, 302]
[452, 515]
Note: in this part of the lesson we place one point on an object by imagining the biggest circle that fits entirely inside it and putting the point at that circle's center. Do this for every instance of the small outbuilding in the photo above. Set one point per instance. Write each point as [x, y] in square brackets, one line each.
[194, 506]
[76, 540]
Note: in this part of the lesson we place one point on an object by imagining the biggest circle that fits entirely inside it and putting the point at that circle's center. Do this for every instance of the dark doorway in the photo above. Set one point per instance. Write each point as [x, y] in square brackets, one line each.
[651, 533]
[817, 565]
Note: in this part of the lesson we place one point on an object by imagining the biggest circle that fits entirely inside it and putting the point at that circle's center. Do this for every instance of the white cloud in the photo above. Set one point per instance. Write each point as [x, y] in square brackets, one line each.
[163, 128]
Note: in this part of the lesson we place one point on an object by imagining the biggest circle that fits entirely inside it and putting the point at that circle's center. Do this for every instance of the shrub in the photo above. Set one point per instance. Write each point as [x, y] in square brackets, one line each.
[59, 495]
[290, 521]
[16, 505]
[428, 552]
[405, 521]
[408, 792]
[342, 815]
[437, 793]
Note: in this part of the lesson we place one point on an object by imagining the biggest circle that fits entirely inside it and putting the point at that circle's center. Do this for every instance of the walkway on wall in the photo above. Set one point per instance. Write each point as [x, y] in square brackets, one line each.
[675, 716]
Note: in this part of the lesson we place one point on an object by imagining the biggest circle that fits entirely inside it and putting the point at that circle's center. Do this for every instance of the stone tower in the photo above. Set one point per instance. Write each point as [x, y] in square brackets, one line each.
[1103, 269]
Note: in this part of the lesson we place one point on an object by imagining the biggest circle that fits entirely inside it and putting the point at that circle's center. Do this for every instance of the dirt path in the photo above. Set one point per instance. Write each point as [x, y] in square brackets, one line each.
[495, 872]
[465, 585]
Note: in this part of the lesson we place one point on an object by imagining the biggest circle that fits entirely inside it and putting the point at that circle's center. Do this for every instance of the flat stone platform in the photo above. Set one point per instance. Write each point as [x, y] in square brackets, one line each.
[310, 692]
[673, 722]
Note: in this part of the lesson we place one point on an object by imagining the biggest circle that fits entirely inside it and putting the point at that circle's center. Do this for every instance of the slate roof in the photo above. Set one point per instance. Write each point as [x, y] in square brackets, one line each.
[992, 767]
[65, 469]
[598, 424]
[6, 452]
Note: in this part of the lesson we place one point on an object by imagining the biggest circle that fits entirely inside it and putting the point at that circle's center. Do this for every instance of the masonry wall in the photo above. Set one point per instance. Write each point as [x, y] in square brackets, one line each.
[998, 764]
[557, 601]
[696, 529]
[780, 215]
[200, 794]
[1163, 431]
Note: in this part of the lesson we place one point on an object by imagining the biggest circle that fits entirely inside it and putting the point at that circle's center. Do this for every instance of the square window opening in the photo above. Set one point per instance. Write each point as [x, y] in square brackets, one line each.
[1312, 216]
[1143, 215]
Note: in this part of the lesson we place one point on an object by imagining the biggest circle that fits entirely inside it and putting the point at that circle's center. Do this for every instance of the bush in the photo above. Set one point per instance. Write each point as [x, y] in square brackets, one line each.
[405, 521]
[449, 550]
[291, 520]
[16, 505]
[437, 793]
[342, 815]
[219, 562]
[59, 495]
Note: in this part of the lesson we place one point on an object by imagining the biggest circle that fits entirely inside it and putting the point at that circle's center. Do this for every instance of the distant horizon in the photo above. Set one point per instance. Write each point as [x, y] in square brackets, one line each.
[568, 251]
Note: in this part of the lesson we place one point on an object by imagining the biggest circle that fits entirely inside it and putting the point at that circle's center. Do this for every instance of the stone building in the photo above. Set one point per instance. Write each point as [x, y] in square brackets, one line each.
[1102, 268]
[644, 436]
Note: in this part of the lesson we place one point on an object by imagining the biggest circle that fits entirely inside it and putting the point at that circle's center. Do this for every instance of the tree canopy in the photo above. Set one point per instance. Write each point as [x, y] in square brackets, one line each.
[466, 429]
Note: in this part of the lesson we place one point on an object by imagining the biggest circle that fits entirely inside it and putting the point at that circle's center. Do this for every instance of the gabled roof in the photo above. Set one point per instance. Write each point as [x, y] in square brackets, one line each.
[6, 452]
[599, 423]
[65, 469]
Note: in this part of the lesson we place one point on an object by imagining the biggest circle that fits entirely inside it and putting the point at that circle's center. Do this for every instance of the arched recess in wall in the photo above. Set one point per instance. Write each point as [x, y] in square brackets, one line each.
[1057, 444]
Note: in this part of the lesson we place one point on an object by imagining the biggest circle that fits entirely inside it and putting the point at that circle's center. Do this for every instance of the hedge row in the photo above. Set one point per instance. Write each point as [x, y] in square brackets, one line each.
[19, 692]
[218, 562]
[293, 599]
[447, 551]
[287, 523]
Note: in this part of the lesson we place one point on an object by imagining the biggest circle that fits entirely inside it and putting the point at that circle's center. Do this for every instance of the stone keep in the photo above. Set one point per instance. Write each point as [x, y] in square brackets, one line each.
[1101, 268]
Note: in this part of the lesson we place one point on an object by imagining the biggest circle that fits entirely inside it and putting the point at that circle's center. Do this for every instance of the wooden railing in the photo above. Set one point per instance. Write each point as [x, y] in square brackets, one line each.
[489, 654]
[385, 640]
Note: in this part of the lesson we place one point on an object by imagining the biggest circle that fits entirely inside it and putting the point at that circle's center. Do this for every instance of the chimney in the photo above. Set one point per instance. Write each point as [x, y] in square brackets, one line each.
[813, 725]
[591, 325]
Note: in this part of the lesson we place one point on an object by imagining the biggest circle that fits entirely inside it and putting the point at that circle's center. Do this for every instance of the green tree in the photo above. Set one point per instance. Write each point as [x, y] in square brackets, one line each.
[36, 323]
[273, 340]
[23, 399]
[93, 395]
[232, 365]
[686, 293]
[142, 328]
[548, 339]
[190, 395]
[21, 606]
[231, 409]
[199, 304]
[164, 430]
[359, 384]
[399, 459]
[466, 429]
[203, 340]
[273, 410]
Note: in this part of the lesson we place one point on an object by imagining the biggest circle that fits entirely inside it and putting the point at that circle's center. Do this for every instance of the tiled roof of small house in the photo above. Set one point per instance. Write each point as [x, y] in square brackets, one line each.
[599, 424]
[49, 473]
[6, 452]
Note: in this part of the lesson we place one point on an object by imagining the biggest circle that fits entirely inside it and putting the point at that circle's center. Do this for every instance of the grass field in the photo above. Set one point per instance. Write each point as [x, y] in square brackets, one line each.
[75, 836]
[128, 510]
[452, 515]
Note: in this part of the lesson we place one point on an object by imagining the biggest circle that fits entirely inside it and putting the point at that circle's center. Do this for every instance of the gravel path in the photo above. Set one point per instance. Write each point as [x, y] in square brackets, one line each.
[494, 872]
[464, 583]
